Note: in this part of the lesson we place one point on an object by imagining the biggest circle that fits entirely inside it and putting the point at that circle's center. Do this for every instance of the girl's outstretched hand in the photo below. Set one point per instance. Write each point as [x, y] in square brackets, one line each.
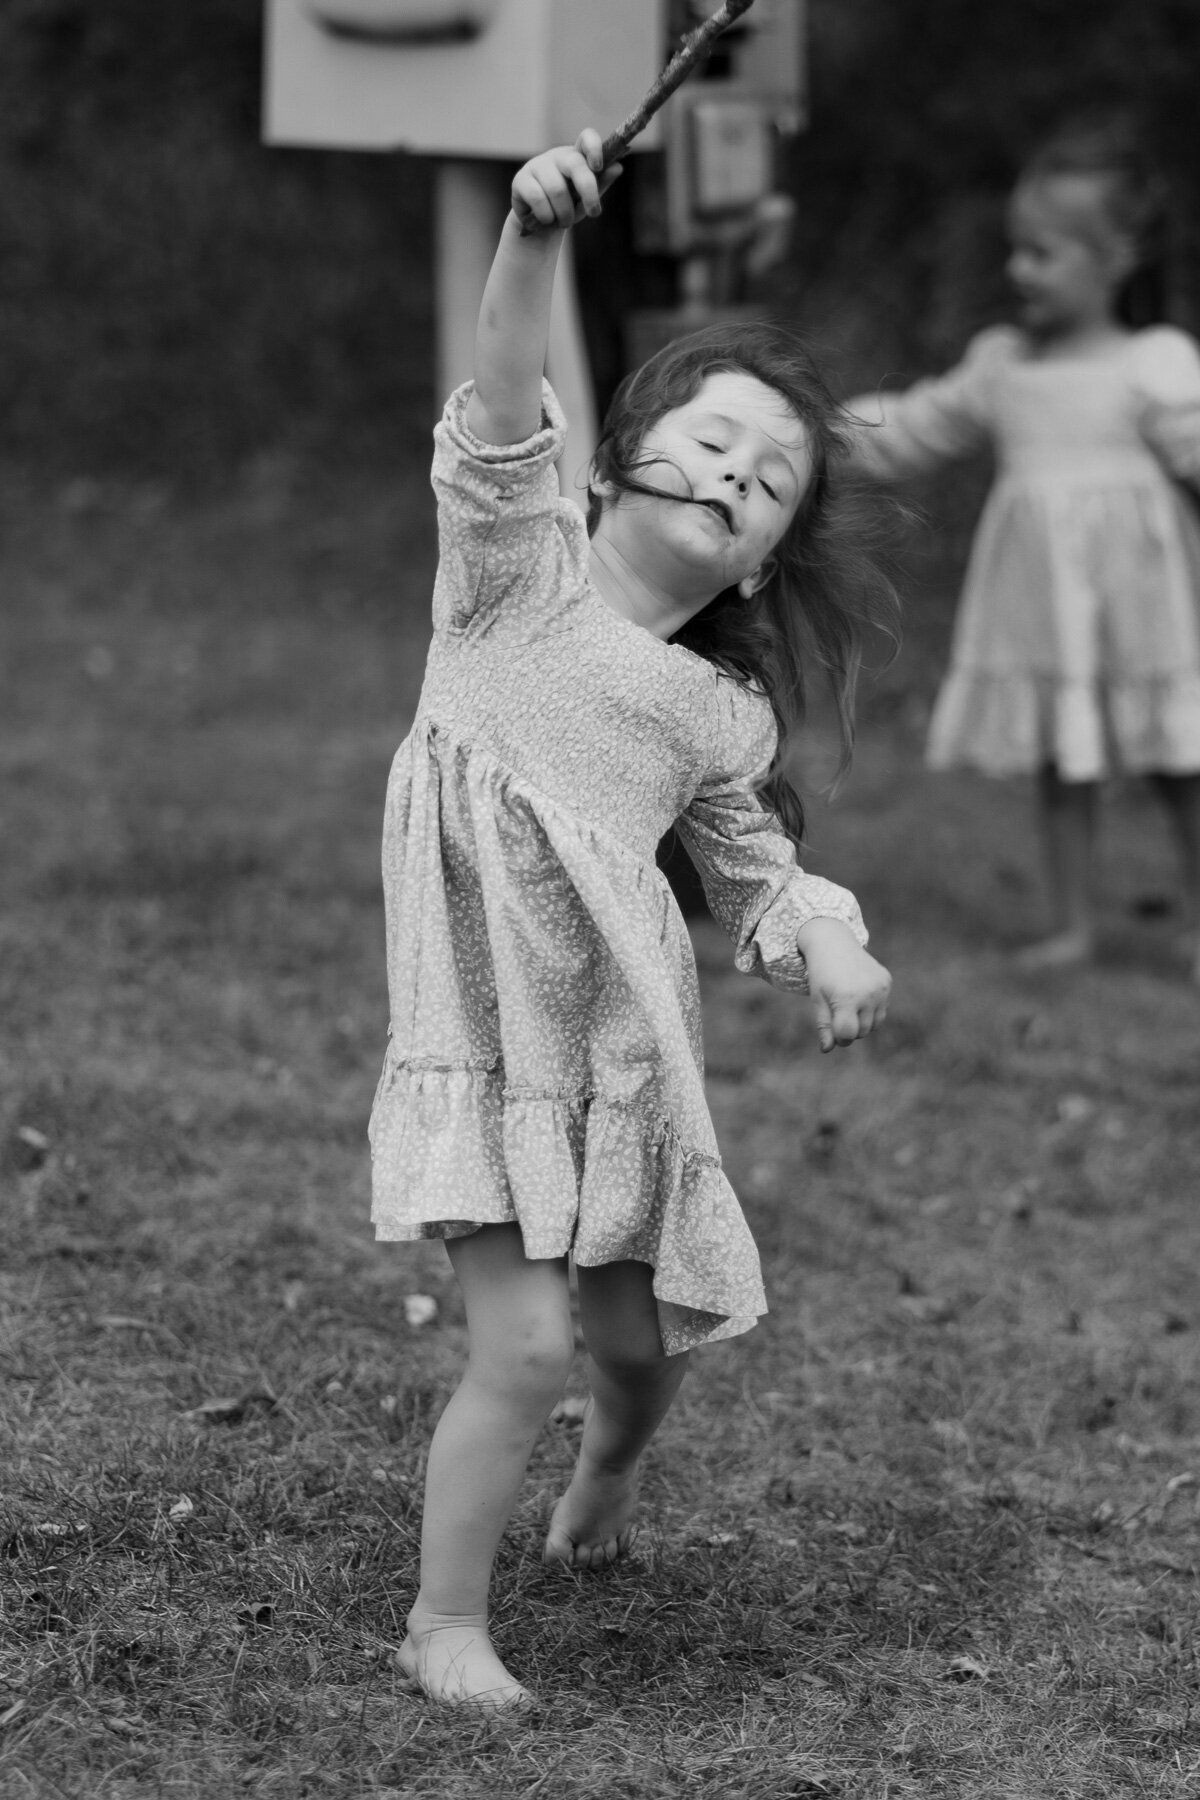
[559, 187]
[848, 987]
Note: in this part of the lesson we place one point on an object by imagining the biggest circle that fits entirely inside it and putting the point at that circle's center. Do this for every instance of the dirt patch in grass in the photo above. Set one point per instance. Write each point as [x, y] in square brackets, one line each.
[931, 1530]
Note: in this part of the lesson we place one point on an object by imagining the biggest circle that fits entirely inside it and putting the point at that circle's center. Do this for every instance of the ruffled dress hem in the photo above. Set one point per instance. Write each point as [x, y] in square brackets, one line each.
[558, 1165]
[1015, 723]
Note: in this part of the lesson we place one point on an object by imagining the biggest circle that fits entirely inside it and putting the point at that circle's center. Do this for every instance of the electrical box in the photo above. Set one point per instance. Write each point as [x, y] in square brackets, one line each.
[469, 78]
[722, 131]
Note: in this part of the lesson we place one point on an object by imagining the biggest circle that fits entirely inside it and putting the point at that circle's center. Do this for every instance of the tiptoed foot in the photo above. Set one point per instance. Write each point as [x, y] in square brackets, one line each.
[453, 1661]
[1063, 950]
[593, 1522]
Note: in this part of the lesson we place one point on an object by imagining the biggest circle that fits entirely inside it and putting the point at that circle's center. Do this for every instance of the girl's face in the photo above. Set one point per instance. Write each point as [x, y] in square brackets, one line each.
[1066, 259]
[741, 462]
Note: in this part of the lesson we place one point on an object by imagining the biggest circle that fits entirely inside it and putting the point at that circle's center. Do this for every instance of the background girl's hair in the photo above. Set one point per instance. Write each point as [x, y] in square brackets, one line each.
[1110, 146]
[826, 589]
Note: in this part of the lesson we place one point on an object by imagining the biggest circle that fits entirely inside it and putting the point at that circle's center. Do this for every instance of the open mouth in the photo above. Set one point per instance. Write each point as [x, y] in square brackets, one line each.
[720, 509]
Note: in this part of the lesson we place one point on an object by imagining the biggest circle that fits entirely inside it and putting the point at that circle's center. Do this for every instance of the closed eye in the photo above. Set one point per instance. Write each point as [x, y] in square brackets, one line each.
[706, 446]
[770, 490]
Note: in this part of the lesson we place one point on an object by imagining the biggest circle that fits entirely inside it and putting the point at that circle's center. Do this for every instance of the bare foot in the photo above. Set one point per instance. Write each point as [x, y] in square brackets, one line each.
[1062, 951]
[454, 1662]
[593, 1522]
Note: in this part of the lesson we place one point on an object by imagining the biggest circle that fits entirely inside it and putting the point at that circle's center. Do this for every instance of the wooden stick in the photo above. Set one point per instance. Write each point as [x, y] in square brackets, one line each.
[696, 46]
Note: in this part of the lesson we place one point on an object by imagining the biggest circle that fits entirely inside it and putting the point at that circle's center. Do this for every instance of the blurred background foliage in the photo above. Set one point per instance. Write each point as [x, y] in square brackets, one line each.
[177, 300]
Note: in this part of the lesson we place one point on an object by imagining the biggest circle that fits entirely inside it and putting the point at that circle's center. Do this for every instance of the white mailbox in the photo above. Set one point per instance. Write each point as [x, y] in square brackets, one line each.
[463, 78]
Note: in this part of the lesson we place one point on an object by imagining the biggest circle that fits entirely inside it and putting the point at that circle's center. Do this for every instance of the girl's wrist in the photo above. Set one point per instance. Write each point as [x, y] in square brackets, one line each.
[816, 929]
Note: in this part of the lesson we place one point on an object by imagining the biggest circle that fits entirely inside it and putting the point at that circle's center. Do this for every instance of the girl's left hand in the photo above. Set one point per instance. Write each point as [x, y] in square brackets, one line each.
[849, 988]
[562, 186]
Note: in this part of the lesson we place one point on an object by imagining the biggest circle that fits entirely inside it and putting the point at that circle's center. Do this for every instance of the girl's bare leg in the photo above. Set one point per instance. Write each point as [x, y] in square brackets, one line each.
[1181, 797]
[521, 1345]
[633, 1383]
[1068, 819]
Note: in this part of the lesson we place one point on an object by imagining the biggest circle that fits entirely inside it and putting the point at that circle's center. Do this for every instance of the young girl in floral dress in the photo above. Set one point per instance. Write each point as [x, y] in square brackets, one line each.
[542, 1096]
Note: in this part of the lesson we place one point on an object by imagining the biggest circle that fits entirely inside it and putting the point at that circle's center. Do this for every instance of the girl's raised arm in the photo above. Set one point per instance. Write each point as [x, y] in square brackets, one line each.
[550, 193]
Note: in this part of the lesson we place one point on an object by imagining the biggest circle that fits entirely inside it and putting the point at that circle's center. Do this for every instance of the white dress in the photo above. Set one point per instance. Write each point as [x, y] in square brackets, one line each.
[1077, 641]
[544, 1063]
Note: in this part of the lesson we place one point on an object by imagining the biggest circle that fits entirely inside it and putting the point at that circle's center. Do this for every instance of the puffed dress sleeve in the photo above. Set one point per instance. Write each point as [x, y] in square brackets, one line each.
[747, 864]
[935, 421]
[508, 543]
[1167, 386]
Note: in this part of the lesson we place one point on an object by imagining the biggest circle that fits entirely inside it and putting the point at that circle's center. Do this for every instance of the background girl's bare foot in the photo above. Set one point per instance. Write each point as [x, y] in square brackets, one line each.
[593, 1522]
[1063, 950]
[454, 1662]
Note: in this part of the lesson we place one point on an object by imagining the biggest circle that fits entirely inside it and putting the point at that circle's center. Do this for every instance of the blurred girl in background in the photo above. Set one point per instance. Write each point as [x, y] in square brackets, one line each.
[1076, 652]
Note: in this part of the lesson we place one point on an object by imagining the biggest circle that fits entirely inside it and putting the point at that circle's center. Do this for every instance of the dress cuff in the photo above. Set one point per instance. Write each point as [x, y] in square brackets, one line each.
[770, 949]
[543, 444]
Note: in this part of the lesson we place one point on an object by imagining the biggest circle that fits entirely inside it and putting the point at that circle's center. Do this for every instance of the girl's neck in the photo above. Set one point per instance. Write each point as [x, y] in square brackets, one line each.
[631, 596]
[1079, 341]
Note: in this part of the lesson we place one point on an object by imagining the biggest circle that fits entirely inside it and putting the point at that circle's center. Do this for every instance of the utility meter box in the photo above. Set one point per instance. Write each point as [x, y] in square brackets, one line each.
[722, 130]
[469, 78]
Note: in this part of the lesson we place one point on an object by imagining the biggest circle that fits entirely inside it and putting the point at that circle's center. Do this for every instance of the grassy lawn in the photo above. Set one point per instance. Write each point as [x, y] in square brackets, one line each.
[931, 1530]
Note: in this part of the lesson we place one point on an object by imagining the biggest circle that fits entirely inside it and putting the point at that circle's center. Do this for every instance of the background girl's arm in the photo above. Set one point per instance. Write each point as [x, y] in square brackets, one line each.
[549, 194]
[936, 421]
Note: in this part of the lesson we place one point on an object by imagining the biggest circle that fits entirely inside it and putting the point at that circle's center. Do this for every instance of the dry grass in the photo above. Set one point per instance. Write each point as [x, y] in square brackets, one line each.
[930, 1531]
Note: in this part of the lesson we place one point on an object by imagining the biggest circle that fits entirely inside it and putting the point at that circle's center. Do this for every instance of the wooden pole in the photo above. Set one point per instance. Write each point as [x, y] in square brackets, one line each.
[471, 198]
[471, 201]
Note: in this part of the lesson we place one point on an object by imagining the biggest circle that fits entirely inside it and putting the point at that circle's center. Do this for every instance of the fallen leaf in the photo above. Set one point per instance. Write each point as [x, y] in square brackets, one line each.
[130, 1322]
[420, 1309]
[231, 1409]
[122, 1724]
[182, 1509]
[32, 1146]
[966, 1668]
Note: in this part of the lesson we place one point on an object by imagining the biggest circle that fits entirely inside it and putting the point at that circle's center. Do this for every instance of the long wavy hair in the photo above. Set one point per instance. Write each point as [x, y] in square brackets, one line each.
[1134, 200]
[826, 590]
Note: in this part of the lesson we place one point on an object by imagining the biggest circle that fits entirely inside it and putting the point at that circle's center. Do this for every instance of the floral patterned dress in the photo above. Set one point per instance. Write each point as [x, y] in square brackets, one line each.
[544, 1063]
[1077, 641]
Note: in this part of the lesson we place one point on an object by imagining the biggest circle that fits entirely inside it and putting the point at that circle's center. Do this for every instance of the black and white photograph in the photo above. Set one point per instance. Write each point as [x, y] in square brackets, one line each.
[599, 900]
